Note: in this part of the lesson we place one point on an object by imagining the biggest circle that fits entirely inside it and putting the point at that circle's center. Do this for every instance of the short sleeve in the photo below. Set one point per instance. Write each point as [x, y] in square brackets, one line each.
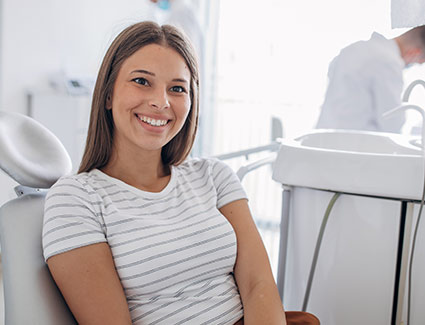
[227, 184]
[72, 218]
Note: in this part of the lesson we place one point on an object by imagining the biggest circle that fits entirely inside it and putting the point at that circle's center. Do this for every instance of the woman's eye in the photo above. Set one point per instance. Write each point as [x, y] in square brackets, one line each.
[141, 81]
[178, 89]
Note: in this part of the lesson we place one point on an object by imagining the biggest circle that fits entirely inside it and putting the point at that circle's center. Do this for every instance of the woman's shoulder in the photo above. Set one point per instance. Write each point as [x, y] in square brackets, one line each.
[201, 161]
[200, 164]
[82, 182]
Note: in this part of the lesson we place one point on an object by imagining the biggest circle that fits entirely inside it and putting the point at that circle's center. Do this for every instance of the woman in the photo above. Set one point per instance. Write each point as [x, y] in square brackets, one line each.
[141, 235]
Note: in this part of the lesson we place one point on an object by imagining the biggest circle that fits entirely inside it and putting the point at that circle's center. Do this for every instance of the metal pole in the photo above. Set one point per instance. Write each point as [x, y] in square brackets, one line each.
[404, 246]
[283, 245]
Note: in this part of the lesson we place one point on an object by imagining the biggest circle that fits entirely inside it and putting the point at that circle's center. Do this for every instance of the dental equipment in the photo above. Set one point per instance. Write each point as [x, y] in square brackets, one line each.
[405, 108]
[242, 171]
[317, 250]
[381, 175]
[273, 147]
[412, 252]
[32, 156]
[421, 111]
[409, 89]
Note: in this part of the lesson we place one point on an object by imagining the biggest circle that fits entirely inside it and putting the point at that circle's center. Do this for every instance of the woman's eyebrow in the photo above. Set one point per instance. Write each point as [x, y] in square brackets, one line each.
[153, 74]
[143, 71]
[181, 80]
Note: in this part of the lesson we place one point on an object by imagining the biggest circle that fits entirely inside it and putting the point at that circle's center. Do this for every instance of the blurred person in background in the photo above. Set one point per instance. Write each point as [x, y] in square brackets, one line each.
[366, 80]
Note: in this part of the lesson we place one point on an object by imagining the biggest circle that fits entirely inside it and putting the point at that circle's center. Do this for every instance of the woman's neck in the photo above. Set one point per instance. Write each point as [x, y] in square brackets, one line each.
[144, 171]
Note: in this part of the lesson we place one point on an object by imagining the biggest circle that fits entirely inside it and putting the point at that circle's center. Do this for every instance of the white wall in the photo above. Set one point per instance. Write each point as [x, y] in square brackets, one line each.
[42, 37]
[46, 36]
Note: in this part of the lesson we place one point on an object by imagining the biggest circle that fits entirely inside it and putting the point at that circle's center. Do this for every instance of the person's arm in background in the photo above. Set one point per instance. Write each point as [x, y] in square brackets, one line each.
[259, 294]
[348, 100]
[387, 90]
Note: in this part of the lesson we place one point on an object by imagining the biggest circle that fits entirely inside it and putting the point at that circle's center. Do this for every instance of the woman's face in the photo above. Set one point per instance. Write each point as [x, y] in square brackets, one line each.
[150, 99]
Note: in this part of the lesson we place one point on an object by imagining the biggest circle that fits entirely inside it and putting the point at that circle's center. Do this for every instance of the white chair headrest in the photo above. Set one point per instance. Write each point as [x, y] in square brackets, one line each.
[29, 153]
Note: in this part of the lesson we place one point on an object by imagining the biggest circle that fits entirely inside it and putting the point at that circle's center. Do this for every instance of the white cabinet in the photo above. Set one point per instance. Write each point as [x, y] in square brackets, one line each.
[355, 274]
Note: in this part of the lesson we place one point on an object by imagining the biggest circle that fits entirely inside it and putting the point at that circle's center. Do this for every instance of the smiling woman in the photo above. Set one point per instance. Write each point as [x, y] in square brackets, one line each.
[150, 102]
[127, 56]
[141, 234]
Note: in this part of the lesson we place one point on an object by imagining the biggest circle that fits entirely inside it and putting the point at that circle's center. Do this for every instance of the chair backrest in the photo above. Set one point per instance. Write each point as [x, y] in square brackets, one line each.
[33, 157]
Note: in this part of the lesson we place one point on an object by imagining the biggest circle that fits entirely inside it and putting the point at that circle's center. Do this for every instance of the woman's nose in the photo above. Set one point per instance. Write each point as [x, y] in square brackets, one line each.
[159, 99]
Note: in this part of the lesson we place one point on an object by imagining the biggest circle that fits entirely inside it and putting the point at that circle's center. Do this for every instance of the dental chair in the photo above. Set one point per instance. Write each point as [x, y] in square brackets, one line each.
[32, 156]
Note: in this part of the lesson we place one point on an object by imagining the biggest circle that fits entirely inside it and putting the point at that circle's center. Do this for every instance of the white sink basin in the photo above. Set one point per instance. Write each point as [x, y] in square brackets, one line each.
[369, 163]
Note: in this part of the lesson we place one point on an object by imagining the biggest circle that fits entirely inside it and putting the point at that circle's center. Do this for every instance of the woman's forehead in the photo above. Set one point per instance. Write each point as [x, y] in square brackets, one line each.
[158, 59]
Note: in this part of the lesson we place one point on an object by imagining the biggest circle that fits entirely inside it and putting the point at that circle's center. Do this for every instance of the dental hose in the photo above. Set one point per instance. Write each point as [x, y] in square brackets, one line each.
[319, 242]
[412, 252]
[317, 249]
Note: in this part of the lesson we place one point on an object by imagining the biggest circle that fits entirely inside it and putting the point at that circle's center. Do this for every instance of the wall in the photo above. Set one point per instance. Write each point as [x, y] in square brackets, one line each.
[44, 37]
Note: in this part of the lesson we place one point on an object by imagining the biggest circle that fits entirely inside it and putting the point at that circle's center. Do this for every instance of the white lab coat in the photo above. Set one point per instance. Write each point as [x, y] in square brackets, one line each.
[365, 80]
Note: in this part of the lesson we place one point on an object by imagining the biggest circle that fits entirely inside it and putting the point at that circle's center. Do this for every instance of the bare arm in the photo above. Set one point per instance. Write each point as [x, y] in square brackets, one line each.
[88, 281]
[253, 274]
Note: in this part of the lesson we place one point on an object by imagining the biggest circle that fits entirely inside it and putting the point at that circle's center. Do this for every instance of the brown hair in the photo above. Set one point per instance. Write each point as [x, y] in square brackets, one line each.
[101, 127]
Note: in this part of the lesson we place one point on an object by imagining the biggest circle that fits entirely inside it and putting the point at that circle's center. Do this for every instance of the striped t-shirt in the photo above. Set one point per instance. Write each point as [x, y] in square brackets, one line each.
[173, 250]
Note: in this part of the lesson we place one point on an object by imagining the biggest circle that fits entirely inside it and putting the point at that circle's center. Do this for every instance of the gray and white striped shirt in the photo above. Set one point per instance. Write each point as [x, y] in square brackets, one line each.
[173, 250]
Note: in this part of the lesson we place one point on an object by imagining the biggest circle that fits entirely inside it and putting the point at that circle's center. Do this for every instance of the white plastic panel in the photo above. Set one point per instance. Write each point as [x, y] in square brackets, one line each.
[354, 279]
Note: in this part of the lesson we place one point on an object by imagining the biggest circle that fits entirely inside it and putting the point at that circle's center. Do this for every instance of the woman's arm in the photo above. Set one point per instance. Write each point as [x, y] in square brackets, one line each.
[88, 281]
[253, 274]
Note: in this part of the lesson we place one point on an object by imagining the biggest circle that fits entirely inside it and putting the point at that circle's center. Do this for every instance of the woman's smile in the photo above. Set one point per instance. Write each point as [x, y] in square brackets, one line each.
[152, 121]
[150, 124]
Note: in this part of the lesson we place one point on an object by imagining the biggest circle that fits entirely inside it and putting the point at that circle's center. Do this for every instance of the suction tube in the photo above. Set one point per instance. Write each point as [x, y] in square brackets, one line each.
[319, 242]
[317, 249]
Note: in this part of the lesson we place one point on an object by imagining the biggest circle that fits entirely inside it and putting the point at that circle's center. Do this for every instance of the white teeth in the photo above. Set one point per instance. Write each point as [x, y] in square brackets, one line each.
[152, 121]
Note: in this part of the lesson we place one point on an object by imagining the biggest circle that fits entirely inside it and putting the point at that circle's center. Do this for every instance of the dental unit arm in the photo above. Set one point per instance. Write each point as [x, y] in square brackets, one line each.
[409, 89]
[406, 107]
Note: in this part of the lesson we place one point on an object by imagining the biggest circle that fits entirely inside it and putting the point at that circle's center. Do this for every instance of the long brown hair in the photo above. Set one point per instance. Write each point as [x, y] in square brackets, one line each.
[101, 127]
